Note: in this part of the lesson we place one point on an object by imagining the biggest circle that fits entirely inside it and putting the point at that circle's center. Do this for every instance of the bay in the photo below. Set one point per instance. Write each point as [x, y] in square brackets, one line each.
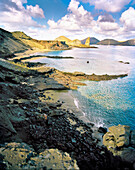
[104, 103]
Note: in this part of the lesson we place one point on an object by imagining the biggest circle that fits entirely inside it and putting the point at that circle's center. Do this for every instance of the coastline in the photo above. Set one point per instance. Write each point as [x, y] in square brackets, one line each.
[37, 119]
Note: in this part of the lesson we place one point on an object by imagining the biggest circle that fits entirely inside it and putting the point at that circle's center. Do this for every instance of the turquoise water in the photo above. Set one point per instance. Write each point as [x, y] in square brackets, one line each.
[105, 103]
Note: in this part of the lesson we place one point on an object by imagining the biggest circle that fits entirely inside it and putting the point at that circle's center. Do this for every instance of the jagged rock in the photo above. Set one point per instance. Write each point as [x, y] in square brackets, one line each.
[102, 130]
[87, 43]
[118, 141]
[121, 134]
[109, 141]
[118, 136]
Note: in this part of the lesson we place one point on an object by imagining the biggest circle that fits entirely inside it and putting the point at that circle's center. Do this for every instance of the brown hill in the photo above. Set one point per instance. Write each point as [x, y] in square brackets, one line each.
[72, 43]
[64, 39]
[15, 42]
[10, 44]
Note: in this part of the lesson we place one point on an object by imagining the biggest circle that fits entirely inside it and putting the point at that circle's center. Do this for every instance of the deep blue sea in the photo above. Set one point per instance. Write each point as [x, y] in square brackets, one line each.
[105, 103]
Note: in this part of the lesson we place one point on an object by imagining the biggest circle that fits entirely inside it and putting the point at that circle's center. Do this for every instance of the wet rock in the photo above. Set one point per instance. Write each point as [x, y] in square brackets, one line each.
[133, 137]
[102, 130]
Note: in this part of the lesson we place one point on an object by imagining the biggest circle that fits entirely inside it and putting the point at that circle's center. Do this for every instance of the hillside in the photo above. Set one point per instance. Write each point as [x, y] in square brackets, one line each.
[93, 40]
[129, 42]
[108, 42]
[13, 42]
[72, 43]
[114, 42]
[75, 42]
[10, 44]
[63, 38]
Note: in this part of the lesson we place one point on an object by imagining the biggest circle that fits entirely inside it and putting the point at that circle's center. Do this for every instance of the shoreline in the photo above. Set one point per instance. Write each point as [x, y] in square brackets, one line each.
[29, 119]
[29, 52]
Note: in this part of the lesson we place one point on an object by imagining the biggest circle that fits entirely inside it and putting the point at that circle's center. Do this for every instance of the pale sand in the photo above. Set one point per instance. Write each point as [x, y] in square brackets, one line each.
[65, 96]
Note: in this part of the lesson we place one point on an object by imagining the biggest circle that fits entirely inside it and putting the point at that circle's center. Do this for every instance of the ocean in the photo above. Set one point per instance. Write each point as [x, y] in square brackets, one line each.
[105, 103]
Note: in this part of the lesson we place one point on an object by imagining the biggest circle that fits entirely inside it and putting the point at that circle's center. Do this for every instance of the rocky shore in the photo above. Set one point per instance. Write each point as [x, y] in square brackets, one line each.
[36, 133]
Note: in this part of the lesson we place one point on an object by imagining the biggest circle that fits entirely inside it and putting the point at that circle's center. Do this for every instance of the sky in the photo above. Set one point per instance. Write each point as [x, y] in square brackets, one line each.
[75, 19]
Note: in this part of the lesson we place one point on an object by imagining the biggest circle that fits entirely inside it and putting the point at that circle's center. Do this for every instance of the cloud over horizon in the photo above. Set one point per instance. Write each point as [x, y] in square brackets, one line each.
[77, 22]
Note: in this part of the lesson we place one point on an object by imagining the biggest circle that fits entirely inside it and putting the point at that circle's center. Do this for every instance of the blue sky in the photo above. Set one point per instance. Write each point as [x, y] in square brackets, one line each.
[48, 19]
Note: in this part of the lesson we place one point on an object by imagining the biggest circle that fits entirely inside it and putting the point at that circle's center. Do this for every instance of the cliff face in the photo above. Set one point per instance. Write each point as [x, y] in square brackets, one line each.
[93, 40]
[12, 42]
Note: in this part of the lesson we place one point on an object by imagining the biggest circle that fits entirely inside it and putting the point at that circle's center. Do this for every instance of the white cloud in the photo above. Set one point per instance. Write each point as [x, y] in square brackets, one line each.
[14, 16]
[109, 5]
[128, 19]
[80, 21]
[108, 26]
[35, 11]
[76, 20]
[77, 23]
[73, 6]
[105, 18]
[106, 29]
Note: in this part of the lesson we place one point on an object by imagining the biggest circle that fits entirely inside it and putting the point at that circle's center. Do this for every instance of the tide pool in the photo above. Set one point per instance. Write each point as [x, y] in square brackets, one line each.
[105, 103]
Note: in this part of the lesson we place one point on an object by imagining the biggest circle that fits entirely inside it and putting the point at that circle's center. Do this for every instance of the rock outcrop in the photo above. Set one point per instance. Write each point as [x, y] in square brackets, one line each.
[22, 156]
[120, 140]
[87, 43]
[74, 43]
[93, 40]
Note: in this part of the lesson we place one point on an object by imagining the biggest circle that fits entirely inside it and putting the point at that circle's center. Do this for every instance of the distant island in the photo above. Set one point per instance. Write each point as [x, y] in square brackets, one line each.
[19, 42]
[94, 41]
